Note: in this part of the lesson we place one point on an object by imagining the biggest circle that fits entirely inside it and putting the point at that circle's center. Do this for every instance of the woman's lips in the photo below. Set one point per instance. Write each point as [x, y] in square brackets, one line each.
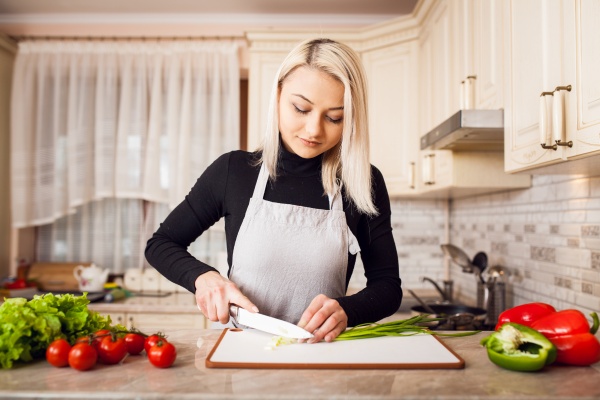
[309, 143]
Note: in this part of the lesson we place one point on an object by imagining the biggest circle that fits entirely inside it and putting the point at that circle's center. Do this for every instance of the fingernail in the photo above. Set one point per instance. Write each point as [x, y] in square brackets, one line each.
[255, 309]
[302, 323]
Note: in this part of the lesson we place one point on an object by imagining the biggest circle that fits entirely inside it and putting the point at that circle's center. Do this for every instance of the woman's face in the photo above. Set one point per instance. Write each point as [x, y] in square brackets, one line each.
[311, 112]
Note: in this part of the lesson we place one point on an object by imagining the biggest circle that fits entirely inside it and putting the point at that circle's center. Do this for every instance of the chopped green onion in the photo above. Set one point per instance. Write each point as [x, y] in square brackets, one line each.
[403, 327]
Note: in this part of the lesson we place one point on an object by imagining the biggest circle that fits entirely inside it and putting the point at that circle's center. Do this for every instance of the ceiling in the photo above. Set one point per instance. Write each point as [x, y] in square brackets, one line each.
[217, 17]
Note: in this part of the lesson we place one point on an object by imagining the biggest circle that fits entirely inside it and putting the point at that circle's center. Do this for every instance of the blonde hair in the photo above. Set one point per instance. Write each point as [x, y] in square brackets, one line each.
[346, 164]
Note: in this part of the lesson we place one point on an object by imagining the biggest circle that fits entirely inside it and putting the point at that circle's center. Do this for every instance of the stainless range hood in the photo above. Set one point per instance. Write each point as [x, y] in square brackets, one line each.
[468, 130]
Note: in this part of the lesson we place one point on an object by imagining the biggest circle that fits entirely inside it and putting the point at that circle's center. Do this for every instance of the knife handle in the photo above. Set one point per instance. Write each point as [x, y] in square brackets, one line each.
[233, 312]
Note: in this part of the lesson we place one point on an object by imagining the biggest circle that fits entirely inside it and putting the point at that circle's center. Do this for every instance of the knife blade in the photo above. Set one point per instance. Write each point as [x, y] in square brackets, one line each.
[267, 324]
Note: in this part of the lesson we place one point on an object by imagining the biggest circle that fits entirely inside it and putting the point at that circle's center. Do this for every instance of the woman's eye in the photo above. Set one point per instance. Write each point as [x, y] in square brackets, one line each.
[299, 110]
[335, 120]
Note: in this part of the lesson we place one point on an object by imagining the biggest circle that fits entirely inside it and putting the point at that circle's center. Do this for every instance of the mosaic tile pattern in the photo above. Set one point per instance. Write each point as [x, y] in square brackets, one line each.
[548, 236]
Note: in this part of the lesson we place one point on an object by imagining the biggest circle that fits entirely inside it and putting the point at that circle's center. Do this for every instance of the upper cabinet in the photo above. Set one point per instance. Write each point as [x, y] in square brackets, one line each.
[477, 51]
[460, 50]
[435, 80]
[392, 80]
[552, 107]
[389, 53]
[583, 107]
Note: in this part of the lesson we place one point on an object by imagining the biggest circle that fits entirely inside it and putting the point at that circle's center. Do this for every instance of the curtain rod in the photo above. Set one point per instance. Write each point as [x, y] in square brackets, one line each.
[20, 38]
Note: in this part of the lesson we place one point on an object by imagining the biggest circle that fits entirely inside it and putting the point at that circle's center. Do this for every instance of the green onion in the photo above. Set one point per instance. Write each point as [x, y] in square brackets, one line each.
[403, 327]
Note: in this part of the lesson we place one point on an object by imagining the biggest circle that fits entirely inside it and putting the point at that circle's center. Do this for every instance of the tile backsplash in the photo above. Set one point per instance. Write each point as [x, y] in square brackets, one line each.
[548, 236]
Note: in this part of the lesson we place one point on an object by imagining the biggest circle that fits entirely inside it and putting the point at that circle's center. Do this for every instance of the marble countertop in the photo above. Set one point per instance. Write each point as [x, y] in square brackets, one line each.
[189, 378]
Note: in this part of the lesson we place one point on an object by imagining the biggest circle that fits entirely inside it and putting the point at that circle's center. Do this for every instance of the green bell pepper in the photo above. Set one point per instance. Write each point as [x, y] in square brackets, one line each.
[519, 348]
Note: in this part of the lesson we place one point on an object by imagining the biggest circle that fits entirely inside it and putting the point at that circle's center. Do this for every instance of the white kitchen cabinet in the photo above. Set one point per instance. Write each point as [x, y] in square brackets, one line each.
[152, 322]
[552, 51]
[392, 78]
[263, 66]
[450, 174]
[435, 98]
[389, 55]
[435, 80]
[477, 51]
[583, 105]
[461, 38]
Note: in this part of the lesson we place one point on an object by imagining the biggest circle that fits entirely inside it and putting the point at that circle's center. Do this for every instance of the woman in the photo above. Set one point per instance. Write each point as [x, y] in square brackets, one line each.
[297, 211]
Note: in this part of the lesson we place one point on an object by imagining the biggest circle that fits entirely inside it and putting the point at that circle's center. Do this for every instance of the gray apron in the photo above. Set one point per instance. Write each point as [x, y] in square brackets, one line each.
[285, 255]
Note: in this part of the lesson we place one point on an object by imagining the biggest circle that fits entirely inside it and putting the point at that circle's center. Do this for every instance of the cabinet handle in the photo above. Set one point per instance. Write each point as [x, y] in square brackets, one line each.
[558, 116]
[411, 175]
[544, 131]
[467, 93]
[429, 169]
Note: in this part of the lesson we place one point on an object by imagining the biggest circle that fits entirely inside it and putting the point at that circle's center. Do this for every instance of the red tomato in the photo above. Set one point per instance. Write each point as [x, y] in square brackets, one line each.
[82, 356]
[57, 353]
[134, 342]
[99, 336]
[111, 351]
[152, 340]
[162, 354]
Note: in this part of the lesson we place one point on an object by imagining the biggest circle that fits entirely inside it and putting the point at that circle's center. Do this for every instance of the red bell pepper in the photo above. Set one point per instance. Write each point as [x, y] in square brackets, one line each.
[525, 314]
[572, 335]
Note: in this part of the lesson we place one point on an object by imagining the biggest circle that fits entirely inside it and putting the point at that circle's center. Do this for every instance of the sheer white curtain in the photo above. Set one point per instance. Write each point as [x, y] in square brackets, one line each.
[105, 134]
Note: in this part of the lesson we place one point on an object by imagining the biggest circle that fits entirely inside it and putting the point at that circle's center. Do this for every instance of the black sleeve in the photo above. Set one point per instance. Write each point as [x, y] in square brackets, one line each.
[166, 250]
[383, 294]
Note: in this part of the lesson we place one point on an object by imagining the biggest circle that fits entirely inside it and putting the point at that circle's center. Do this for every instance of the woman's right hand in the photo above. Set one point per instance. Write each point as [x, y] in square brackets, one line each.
[214, 294]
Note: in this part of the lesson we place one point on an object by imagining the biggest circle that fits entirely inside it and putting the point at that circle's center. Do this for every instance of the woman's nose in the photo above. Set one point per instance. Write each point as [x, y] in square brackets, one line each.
[314, 125]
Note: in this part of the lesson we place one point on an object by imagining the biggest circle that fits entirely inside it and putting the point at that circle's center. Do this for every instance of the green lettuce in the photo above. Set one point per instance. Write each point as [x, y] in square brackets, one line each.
[28, 327]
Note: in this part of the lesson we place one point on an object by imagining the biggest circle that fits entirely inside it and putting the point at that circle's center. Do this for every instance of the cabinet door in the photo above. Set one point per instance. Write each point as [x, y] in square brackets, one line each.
[392, 85]
[118, 319]
[584, 105]
[487, 53]
[435, 70]
[463, 42]
[534, 54]
[262, 72]
[160, 322]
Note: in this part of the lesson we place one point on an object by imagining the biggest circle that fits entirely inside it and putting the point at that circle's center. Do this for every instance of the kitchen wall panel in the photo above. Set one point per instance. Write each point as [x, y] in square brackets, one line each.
[548, 236]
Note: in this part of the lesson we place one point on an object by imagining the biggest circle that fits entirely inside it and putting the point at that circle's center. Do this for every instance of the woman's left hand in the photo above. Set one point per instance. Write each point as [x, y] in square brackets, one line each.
[324, 318]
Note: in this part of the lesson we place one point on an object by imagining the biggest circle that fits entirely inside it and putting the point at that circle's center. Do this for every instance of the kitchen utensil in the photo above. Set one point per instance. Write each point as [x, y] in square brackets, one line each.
[425, 306]
[91, 278]
[246, 349]
[496, 293]
[267, 324]
[458, 256]
[480, 261]
[454, 316]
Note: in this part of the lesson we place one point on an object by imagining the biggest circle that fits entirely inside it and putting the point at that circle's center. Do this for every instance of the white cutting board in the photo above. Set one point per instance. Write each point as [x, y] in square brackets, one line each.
[249, 348]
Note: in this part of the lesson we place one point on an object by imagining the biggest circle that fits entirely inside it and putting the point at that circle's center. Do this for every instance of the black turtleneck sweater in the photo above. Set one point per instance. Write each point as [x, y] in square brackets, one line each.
[224, 191]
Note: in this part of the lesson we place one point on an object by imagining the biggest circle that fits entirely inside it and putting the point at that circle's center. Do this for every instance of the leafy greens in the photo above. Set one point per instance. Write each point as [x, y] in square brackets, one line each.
[28, 327]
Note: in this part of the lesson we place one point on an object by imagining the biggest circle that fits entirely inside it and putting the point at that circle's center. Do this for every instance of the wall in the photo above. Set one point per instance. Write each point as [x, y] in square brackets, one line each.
[7, 51]
[548, 236]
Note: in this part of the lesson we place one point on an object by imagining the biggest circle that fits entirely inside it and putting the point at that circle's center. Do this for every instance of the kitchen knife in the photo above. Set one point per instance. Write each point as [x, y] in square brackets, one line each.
[267, 324]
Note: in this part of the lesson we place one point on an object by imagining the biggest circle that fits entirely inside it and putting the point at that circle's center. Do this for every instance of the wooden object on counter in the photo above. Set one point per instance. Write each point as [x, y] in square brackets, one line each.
[55, 276]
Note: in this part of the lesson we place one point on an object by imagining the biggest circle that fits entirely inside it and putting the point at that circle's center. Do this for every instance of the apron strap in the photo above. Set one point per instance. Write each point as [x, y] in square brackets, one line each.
[261, 183]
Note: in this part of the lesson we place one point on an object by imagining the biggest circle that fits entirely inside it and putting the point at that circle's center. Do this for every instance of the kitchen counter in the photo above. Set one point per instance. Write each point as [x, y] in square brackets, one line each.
[171, 303]
[136, 378]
